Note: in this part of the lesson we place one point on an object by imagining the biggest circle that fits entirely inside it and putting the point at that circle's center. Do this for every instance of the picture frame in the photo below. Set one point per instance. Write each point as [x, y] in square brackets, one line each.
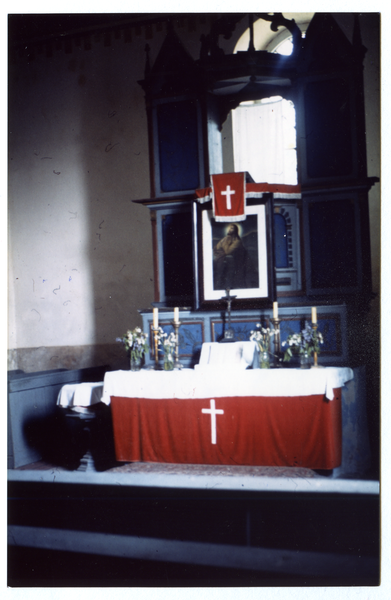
[248, 270]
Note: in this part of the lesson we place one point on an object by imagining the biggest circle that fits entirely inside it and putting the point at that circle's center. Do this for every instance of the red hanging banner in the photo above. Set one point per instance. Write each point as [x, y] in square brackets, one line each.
[228, 196]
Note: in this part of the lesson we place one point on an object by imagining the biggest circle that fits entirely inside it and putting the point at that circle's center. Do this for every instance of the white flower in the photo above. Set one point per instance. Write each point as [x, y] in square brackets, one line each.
[135, 341]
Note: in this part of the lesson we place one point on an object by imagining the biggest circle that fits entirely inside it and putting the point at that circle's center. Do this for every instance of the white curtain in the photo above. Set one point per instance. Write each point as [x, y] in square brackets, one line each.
[264, 136]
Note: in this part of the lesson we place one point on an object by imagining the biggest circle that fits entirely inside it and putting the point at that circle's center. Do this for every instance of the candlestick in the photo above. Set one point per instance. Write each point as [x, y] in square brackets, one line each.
[177, 364]
[277, 342]
[176, 315]
[314, 316]
[275, 310]
[155, 318]
[315, 327]
[155, 331]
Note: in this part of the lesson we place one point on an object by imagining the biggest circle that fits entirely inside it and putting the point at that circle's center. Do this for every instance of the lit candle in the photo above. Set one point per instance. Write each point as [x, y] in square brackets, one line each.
[314, 318]
[176, 315]
[155, 318]
[275, 310]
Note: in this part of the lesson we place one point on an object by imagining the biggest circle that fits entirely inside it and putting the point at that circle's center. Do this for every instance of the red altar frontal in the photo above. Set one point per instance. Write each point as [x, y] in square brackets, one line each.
[171, 417]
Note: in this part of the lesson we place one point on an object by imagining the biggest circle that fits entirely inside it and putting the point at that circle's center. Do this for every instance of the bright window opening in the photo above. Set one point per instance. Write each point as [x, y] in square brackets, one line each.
[285, 48]
[264, 140]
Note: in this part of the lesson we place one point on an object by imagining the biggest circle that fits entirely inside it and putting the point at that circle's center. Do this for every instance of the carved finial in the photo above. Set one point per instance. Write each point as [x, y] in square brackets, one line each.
[224, 26]
[278, 20]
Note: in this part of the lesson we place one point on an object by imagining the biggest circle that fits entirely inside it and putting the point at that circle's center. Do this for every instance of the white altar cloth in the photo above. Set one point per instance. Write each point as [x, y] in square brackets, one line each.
[80, 394]
[224, 382]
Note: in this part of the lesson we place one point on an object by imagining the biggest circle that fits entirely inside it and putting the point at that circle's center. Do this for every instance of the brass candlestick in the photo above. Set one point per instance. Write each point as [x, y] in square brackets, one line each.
[155, 331]
[176, 325]
[315, 365]
[277, 342]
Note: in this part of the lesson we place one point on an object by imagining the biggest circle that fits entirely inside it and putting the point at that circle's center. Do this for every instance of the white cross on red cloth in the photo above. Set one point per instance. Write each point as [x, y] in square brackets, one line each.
[213, 411]
[228, 192]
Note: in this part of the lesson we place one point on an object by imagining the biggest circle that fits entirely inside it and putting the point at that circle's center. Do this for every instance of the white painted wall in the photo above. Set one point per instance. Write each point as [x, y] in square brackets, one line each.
[80, 249]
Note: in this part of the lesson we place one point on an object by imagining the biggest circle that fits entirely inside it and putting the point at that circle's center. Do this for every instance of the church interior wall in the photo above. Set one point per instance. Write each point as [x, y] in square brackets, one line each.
[80, 251]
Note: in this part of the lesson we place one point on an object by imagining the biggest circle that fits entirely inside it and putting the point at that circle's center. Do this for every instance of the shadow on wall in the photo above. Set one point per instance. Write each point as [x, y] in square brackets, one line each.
[116, 171]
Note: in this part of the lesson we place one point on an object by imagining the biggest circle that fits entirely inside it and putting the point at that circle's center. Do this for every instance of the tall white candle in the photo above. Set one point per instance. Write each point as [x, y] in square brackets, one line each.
[275, 310]
[314, 317]
[155, 317]
[176, 315]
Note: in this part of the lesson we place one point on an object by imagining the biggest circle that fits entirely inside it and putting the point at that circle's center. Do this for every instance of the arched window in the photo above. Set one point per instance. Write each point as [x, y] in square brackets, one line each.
[280, 41]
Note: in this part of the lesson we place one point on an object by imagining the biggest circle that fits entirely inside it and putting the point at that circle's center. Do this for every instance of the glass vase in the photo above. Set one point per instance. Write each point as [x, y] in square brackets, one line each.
[305, 360]
[135, 363]
[168, 363]
[264, 360]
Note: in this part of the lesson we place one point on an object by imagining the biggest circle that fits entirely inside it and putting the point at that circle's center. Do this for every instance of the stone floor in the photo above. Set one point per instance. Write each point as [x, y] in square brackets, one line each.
[184, 469]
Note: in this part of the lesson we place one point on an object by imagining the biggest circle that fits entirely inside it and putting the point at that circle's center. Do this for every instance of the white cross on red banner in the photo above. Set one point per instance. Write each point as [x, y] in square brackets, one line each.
[228, 192]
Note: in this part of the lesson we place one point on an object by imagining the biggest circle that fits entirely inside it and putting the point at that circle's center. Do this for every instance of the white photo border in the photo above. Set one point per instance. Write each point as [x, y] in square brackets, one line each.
[262, 291]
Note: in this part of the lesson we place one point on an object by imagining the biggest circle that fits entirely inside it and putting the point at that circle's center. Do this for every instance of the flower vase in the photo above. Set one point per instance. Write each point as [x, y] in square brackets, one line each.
[264, 360]
[168, 364]
[305, 360]
[135, 363]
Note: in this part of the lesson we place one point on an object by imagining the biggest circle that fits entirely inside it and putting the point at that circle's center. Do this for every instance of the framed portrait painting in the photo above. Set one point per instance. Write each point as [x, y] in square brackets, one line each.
[236, 256]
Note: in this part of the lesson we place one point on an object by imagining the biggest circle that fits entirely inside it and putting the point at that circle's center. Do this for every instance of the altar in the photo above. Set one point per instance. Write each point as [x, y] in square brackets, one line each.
[230, 416]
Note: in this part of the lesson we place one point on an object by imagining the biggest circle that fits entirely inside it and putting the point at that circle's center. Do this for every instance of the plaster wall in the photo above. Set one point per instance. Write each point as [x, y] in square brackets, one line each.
[80, 251]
